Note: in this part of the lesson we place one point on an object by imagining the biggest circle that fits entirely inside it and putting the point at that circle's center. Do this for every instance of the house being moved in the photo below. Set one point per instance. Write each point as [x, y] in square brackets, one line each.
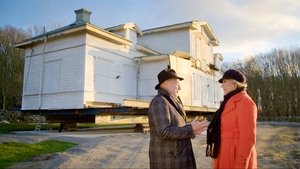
[81, 72]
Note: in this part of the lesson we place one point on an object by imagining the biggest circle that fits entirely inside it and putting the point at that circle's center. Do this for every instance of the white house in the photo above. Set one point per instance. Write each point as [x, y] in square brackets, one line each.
[187, 48]
[82, 66]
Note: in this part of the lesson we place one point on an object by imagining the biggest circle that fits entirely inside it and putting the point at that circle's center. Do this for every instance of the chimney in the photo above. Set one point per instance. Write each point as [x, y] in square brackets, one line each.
[82, 15]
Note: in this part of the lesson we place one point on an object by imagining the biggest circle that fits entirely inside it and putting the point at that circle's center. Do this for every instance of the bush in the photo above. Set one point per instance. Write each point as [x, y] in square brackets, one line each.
[11, 116]
[18, 117]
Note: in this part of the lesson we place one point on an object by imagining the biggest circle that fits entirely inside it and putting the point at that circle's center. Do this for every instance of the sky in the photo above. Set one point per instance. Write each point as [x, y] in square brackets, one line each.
[243, 27]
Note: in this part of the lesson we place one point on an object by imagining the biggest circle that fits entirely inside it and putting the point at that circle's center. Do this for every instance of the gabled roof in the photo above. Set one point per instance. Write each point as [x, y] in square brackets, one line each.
[181, 54]
[73, 28]
[190, 25]
[129, 25]
[158, 56]
[146, 50]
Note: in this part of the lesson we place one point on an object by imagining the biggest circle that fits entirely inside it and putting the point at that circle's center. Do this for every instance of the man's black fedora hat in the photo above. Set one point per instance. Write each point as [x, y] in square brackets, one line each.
[165, 75]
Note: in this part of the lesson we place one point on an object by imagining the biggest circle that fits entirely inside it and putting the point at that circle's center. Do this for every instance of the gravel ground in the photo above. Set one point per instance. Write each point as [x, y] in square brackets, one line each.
[115, 149]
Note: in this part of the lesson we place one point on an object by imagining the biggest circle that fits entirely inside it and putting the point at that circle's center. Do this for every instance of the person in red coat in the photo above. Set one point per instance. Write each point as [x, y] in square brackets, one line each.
[231, 134]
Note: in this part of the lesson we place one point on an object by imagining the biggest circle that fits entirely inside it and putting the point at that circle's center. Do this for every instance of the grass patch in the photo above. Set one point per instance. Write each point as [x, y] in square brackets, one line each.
[286, 138]
[277, 155]
[7, 128]
[14, 152]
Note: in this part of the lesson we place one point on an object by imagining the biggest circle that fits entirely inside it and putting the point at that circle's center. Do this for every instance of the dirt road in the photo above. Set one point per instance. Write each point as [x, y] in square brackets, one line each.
[278, 146]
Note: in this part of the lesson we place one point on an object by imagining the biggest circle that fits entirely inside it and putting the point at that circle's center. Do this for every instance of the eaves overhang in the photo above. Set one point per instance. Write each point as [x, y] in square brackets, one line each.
[181, 54]
[177, 53]
[108, 35]
[129, 25]
[69, 30]
[152, 58]
[169, 27]
[146, 50]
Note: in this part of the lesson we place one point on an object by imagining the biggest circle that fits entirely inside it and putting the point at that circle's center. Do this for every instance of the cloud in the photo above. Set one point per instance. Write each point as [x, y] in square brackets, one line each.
[243, 27]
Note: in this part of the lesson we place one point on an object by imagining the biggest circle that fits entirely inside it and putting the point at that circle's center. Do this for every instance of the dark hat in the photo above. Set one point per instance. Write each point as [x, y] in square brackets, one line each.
[233, 74]
[165, 75]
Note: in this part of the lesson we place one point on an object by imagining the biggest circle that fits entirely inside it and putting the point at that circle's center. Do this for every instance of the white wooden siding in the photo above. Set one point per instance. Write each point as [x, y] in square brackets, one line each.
[183, 69]
[167, 42]
[148, 77]
[201, 49]
[127, 33]
[89, 85]
[130, 76]
[209, 97]
[115, 77]
[63, 75]
[31, 73]
[95, 44]
[218, 92]
[52, 76]
[197, 89]
[69, 100]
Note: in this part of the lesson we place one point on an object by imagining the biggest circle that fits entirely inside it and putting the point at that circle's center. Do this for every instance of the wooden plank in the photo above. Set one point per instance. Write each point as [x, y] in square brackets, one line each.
[200, 108]
[136, 103]
[93, 104]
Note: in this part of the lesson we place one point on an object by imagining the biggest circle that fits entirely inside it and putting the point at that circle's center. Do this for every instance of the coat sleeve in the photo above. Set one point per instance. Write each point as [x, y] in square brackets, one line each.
[160, 119]
[246, 119]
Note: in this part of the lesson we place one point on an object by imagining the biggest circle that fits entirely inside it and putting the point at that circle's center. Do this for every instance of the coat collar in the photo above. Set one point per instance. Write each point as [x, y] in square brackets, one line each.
[164, 92]
[232, 101]
[178, 106]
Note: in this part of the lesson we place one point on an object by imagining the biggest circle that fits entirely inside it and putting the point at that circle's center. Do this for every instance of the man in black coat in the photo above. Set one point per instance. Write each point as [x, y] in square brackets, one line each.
[170, 135]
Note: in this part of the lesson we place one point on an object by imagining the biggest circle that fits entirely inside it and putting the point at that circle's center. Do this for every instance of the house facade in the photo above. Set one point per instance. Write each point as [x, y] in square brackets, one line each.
[82, 66]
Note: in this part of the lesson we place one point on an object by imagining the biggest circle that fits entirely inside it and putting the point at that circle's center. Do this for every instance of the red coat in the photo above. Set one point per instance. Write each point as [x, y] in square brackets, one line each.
[238, 133]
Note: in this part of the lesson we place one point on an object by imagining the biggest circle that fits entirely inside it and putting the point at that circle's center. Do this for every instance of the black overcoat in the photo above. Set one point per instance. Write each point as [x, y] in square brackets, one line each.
[170, 135]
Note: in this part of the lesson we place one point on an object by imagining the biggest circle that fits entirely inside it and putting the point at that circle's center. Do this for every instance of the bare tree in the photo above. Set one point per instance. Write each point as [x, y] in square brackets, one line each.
[274, 80]
[12, 63]
[11, 67]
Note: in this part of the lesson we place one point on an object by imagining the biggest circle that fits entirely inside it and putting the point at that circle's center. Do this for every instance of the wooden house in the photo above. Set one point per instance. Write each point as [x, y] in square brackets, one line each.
[82, 66]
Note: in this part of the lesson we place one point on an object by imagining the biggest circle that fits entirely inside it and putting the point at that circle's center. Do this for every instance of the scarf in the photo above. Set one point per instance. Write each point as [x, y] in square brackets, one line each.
[213, 139]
